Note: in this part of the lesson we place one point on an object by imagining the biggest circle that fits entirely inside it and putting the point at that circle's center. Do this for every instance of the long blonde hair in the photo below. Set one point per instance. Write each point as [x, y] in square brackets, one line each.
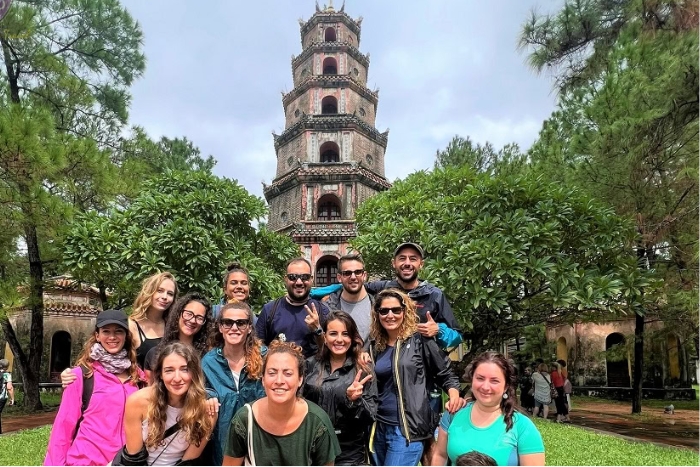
[408, 327]
[251, 346]
[195, 423]
[148, 290]
[85, 360]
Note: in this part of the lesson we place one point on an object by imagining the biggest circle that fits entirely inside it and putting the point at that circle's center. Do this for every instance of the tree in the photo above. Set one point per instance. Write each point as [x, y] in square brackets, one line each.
[509, 251]
[189, 223]
[66, 68]
[627, 131]
[462, 151]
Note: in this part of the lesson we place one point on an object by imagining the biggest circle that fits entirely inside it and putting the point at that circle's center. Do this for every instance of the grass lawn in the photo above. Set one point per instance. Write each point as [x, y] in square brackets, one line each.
[564, 445]
[50, 400]
[569, 445]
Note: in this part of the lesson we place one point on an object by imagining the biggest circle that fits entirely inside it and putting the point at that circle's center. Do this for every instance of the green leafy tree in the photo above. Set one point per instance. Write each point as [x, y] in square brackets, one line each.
[462, 151]
[627, 131]
[65, 70]
[508, 251]
[189, 223]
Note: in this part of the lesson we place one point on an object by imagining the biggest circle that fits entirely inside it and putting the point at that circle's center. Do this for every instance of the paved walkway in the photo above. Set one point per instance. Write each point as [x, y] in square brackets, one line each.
[24, 422]
[652, 426]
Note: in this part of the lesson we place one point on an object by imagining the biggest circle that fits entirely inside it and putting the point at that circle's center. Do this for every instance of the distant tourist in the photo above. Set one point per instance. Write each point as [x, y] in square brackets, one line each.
[541, 380]
[7, 391]
[559, 401]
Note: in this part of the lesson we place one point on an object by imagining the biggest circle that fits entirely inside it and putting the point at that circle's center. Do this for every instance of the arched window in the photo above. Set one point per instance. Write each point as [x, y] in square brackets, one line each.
[329, 152]
[329, 35]
[330, 66]
[328, 208]
[326, 271]
[60, 353]
[616, 361]
[329, 105]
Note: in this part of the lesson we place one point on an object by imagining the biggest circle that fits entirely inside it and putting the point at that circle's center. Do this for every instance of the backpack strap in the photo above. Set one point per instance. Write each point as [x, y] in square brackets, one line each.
[88, 387]
[271, 316]
[250, 459]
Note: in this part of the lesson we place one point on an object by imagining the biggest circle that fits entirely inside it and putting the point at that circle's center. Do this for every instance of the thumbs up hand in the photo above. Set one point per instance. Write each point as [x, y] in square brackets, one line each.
[429, 328]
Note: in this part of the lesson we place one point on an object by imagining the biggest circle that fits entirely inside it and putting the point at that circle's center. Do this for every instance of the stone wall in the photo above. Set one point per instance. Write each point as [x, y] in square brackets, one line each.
[80, 327]
[287, 206]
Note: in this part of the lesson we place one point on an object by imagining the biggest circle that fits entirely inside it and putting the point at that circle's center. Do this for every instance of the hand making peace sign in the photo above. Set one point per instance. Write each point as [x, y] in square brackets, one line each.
[311, 318]
[354, 391]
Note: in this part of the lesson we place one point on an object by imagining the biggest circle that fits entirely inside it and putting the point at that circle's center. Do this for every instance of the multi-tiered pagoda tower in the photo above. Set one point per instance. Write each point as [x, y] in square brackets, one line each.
[330, 157]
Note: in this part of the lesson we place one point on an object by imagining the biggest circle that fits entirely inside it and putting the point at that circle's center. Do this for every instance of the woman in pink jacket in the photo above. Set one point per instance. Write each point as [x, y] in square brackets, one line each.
[92, 435]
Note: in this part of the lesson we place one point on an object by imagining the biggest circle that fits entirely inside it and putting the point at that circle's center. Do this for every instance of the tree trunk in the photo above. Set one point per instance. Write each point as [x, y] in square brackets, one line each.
[36, 331]
[638, 363]
[103, 294]
[29, 380]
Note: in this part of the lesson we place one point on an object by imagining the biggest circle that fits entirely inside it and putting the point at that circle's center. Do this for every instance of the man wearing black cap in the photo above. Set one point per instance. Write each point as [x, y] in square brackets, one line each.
[436, 316]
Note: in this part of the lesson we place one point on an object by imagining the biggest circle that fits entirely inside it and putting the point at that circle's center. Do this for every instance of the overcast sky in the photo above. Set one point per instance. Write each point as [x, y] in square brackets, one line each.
[215, 71]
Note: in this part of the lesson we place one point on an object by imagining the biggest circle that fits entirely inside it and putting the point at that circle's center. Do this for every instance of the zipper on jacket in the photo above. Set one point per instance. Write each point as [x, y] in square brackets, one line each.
[397, 351]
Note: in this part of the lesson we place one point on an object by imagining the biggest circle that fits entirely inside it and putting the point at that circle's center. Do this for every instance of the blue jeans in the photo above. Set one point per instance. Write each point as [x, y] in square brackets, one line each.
[390, 447]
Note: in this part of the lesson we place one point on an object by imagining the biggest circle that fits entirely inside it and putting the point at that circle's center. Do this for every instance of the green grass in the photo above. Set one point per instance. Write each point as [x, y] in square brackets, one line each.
[564, 445]
[51, 401]
[26, 447]
[569, 445]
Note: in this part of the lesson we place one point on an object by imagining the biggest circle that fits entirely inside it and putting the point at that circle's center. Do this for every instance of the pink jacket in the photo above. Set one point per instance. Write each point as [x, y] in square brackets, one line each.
[101, 432]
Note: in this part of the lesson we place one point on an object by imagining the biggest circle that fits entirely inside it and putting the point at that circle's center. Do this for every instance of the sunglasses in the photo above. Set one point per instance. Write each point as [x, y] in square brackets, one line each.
[187, 315]
[242, 324]
[397, 310]
[357, 272]
[296, 277]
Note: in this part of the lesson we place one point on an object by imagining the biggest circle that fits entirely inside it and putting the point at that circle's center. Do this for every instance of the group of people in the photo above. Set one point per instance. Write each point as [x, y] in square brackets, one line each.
[356, 378]
[542, 384]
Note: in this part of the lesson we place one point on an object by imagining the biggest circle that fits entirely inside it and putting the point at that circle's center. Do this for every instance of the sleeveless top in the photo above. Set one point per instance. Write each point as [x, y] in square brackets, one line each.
[171, 449]
[146, 345]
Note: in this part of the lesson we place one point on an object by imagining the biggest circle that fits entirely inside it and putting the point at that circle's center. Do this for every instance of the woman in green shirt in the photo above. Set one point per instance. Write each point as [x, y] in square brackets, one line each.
[490, 424]
[282, 428]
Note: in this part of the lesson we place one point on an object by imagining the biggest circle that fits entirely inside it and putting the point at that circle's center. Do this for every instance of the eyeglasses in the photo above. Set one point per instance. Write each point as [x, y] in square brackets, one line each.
[187, 315]
[397, 310]
[241, 324]
[296, 277]
[357, 272]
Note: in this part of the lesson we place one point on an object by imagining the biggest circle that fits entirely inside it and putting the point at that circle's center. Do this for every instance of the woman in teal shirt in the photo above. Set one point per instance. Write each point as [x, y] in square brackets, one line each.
[490, 424]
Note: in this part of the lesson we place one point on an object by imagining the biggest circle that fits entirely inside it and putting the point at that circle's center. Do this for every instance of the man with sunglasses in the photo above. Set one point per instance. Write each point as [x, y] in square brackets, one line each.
[353, 298]
[295, 317]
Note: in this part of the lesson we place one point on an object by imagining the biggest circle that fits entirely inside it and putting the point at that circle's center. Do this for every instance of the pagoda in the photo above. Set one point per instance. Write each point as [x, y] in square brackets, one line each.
[330, 157]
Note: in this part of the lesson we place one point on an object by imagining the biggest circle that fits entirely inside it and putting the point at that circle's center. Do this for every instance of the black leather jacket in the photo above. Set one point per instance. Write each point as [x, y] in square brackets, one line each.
[418, 363]
[350, 419]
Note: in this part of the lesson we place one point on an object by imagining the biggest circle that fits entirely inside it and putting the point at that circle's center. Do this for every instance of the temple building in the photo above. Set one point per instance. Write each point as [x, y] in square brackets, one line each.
[330, 157]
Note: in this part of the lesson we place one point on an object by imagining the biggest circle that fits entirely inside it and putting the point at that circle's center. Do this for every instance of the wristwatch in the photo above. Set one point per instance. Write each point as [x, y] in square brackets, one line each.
[318, 331]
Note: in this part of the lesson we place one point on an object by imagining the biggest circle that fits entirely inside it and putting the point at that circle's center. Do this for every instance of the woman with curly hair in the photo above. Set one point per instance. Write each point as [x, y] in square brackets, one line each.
[490, 425]
[282, 428]
[406, 364]
[168, 422]
[233, 370]
[92, 435]
[190, 323]
[339, 382]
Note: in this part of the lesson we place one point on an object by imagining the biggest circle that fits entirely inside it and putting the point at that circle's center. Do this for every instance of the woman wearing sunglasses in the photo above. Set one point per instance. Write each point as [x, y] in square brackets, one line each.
[189, 323]
[406, 365]
[232, 370]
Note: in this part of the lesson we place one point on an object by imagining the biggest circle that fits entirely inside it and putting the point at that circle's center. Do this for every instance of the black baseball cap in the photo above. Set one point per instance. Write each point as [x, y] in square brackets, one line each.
[117, 317]
[415, 246]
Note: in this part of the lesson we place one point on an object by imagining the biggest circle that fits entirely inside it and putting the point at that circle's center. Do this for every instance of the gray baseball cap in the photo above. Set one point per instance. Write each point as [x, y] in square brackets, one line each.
[415, 246]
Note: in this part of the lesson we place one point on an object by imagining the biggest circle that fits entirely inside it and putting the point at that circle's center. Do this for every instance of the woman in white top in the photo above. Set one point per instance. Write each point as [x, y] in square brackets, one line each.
[543, 398]
[176, 396]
